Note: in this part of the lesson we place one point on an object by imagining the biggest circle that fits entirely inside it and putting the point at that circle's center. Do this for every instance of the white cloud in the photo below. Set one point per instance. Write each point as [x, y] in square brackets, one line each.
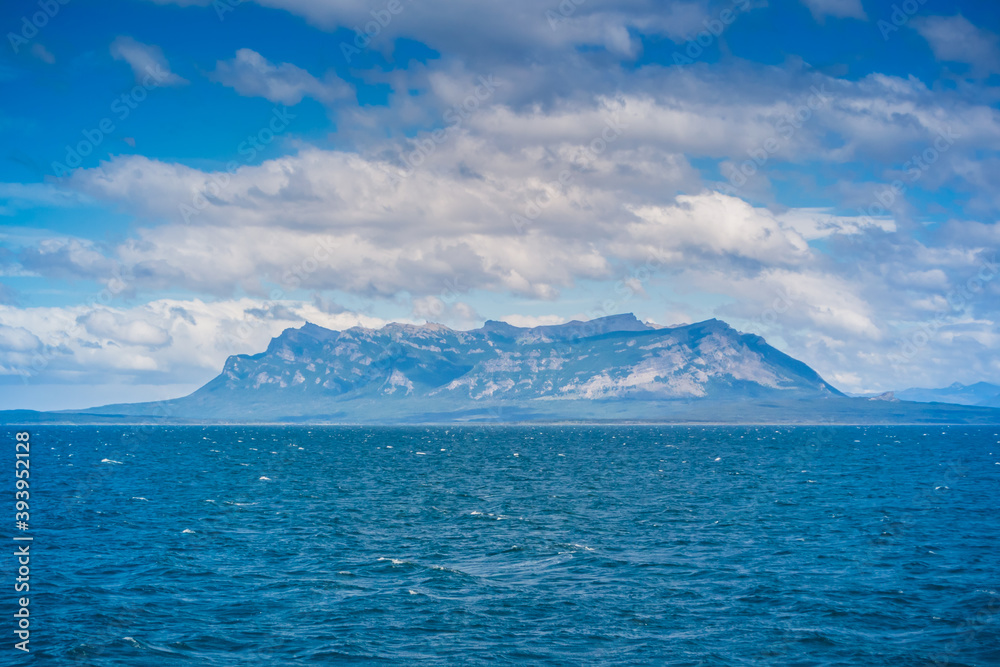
[164, 341]
[837, 8]
[445, 310]
[714, 224]
[17, 339]
[956, 39]
[252, 75]
[39, 51]
[106, 324]
[479, 31]
[820, 223]
[146, 60]
[341, 216]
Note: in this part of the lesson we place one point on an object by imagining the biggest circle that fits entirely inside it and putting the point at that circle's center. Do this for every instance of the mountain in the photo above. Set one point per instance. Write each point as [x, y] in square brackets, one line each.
[612, 365]
[981, 393]
[609, 369]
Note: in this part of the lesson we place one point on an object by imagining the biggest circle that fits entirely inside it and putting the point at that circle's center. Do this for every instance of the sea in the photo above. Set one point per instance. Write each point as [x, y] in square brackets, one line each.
[509, 545]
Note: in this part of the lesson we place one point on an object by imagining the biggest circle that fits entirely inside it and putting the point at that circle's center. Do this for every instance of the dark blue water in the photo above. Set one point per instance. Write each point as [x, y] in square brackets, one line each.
[501, 545]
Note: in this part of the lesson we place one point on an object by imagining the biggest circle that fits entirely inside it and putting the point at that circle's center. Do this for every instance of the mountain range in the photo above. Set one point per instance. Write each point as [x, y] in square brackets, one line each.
[981, 393]
[614, 368]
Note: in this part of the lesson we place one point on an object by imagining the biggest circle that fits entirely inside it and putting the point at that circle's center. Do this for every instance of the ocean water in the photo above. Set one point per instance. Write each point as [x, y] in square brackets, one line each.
[541, 545]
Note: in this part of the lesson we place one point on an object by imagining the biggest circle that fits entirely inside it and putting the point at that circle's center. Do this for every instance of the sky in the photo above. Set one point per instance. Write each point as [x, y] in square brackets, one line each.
[181, 180]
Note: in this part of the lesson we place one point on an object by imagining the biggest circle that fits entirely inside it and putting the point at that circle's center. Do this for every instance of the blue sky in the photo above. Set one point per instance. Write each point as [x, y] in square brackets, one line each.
[180, 180]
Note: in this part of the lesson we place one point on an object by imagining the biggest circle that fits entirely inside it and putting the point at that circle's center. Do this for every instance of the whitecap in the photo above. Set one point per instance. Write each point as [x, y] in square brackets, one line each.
[421, 453]
[187, 530]
[108, 461]
[266, 479]
[139, 498]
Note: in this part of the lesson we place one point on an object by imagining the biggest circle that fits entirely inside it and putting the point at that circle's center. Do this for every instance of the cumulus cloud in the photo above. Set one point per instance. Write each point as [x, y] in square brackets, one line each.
[252, 75]
[717, 225]
[333, 220]
[17, 339]
[149, 343]
[146, 60]
[106, 324]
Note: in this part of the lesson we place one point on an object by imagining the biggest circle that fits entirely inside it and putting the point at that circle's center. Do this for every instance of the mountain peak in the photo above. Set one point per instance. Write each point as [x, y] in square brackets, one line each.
[569, 330]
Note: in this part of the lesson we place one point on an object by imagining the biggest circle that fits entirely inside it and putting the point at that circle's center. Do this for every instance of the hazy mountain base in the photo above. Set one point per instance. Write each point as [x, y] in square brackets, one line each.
[795, 411]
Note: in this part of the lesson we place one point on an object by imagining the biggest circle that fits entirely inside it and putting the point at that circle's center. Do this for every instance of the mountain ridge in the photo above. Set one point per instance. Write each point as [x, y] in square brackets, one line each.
[614, 368]
[984, 394]
[410, 369]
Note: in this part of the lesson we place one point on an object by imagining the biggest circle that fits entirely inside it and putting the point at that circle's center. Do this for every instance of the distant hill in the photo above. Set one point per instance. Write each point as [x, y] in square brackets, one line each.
[981, 393]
